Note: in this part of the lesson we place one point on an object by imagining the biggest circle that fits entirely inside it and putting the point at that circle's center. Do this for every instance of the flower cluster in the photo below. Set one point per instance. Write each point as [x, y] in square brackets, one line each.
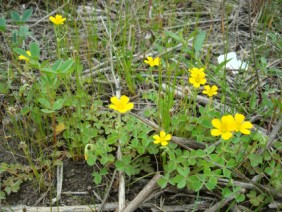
[198, 78]
[229, 124]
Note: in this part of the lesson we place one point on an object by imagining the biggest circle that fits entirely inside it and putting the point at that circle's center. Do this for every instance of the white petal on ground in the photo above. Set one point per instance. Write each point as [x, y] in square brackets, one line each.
[233, 64]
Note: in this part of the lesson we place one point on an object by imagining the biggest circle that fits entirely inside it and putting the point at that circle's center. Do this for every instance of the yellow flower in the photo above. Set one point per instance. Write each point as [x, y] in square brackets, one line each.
[152, 62]
[163, 138]
[241, 125]
[225, 127]
[210, 91]
[121, 105]
[21, 57]
[197, 77]
[58, 19]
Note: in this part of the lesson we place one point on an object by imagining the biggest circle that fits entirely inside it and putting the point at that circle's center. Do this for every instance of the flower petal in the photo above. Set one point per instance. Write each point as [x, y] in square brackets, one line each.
[112, 106]
[247, 124]
[215, 132]
[203, 81]
[51, 18]
[167, 137]
[156, 137]
[216, 123]
[164, 143]
[245, 131]
[129, 106]
[226, 136]
[239, 118]
[162, 134]
[124, 99]
[157, 61]
[214, 89]
[157, 141]
[229, 122]
[114, 100]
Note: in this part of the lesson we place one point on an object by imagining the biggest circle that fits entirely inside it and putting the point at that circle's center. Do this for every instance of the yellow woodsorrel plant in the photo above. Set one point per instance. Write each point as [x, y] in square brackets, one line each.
[48, 81]
[136, 144]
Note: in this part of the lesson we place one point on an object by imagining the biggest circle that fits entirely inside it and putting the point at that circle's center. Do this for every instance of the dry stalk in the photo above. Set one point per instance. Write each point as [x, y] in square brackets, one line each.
[121, 191]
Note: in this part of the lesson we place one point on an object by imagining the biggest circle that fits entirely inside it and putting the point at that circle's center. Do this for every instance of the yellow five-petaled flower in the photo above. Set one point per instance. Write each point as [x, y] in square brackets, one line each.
[197, 77]
[241, 125]
[58, 19]
[210, 91]
[152, 62]
[21, 57]
[224, 127]
[121, 105]
[163, 138]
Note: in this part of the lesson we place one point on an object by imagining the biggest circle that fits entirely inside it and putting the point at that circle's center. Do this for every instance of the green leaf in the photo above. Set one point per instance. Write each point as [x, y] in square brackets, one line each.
[171, 166]
[34, 49]
[26, 15]
[24, 32]
[266, 156]
[231, 163]
[194, 183]
[66, 66]
[56, 65]
[129, 170]
[162, 182]
[252, 194]
[184, 171]
[119, 165]
[97, 178]
[103, 171]
[180, 181]
[48, 70]
[16, 186]
[2, 24]
[200, 153]
[210, 149]
[8, 190]
[15, 16]
[199, 41]
[226, 173]
[21, 52]
[45, 103]
[240, 198]
[126, 159]
[174, 36]
[58, 104]
[91, 159]
[269, 170]
[192, 161]
[47, 111]
[226, 192]
[255, 159]
[2, 195]
[211, 183]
